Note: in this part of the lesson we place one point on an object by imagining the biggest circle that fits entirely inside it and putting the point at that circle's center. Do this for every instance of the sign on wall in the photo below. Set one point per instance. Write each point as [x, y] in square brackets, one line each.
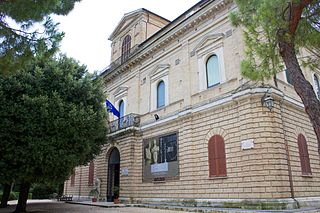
[160, 158]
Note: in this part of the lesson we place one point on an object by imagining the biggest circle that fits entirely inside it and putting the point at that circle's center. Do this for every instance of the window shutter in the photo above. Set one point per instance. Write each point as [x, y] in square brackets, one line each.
[304, 155]
[91, 173]
[217, 156]
[73, 177]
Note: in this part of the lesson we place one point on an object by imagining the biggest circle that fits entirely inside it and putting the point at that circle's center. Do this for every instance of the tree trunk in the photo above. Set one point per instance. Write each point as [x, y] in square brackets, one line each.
[5, 195]
[303, 88]
[23, 197]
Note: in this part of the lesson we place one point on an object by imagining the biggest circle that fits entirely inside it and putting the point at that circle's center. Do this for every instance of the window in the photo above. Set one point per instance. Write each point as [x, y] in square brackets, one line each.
[160, 94]
[288, 77]
[73, 177]
[121, 108]
[212, 70]
[217, 157]
[126, 45]
[121, 112]
[161, 158]
[304, 155]
[91, 173]
[316, 85]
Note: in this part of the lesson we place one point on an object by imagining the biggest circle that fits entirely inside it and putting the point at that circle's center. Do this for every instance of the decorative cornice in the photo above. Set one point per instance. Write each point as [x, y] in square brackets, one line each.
[157, 43]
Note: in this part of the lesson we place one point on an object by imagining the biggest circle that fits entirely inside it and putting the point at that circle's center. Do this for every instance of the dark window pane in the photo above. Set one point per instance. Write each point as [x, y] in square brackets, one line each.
[289, 79]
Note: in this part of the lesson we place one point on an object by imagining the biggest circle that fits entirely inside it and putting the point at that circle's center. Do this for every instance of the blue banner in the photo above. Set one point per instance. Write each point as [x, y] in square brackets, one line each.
[111, 108]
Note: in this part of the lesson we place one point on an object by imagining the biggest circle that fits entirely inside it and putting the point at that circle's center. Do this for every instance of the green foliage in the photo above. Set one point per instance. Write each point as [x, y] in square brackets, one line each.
[262, 20]
[19, 40]
[15, 195]
[53, 119]
[44, 191]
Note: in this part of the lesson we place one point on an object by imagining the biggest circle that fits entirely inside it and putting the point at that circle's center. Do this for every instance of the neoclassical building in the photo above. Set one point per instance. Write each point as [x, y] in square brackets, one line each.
[191, 128]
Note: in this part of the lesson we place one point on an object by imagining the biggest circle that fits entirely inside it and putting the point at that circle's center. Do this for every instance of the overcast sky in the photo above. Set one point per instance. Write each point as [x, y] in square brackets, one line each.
[88, 26]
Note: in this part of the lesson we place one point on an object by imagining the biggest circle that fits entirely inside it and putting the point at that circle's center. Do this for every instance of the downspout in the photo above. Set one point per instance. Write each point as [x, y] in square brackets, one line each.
[287, 153]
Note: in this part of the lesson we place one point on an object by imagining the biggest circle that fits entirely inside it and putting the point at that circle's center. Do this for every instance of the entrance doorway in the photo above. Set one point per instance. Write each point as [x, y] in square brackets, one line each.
[113, 174]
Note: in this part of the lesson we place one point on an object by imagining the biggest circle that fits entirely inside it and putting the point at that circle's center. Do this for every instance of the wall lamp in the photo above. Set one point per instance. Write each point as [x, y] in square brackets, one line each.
[267, 100]
[156, 116]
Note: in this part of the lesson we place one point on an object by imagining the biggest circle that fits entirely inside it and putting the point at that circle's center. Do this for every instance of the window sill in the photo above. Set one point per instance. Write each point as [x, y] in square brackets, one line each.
[307, 176]
[218, 177]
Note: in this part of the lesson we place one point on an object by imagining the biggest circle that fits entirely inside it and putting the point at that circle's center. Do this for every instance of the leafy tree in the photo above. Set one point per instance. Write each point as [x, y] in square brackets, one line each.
[19, 39]
[52, 119]
[275, 31]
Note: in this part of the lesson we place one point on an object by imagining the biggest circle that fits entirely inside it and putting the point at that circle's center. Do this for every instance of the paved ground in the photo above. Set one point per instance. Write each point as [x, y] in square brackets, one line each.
[60, 207]
[48, 206]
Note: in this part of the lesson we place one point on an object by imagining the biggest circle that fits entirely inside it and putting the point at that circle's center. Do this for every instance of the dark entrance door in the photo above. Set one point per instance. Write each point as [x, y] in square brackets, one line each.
[113, 173]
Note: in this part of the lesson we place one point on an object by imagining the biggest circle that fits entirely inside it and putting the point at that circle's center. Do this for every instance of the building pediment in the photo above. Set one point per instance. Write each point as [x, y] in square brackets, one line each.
[126, 21]
[120, 92]
[159, 71]
[207, 41]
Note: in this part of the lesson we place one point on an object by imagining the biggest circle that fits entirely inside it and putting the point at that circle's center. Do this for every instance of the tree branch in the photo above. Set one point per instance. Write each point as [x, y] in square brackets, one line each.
[295, 15]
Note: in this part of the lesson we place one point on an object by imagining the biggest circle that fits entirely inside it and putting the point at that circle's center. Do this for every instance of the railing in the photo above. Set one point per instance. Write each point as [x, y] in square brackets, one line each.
[131, 120]
[122, 59]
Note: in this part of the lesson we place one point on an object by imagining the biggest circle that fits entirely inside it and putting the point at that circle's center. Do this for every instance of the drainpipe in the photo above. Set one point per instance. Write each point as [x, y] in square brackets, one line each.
[287, 152]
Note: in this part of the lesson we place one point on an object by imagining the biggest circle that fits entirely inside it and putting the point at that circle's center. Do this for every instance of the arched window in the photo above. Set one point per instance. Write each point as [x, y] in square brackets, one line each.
[126, 45]
[217, 157]
[91, 173]
[121, 108]
[160, 94]
[212, 70]
[304, 155]
[316, 85]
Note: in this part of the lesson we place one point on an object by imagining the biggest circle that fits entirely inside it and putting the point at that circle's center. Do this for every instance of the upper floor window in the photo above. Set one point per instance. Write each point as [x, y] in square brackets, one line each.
[288, 77]
[212, 70]
[126, 45]
[121, 108]
[304, 155]
[91, 173]
[217, 157]
[316, 85]
[160, 94]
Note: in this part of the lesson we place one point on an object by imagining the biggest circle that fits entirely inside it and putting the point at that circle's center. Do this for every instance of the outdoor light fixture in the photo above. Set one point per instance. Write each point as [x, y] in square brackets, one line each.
[156, 116]
[267, 101]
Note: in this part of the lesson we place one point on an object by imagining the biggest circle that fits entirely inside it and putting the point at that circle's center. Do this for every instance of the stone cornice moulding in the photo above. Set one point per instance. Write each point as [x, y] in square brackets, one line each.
[157, 43]
[120, 92]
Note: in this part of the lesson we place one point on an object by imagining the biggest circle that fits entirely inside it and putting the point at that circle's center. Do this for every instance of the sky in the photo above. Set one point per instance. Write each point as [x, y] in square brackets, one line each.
[88, 26]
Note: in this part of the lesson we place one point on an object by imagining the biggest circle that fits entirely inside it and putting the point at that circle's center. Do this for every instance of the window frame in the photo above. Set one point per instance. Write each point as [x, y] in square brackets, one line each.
[125, 47]
[316, 84]
[207, 70]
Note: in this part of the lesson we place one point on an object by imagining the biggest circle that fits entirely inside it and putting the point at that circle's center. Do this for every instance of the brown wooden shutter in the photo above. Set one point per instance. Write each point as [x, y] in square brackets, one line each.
[217, 156]
[91, 173]
[304, 155]
[73, 177]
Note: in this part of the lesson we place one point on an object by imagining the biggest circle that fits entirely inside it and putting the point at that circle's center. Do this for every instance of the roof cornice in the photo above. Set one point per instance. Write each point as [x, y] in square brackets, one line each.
[173, 31]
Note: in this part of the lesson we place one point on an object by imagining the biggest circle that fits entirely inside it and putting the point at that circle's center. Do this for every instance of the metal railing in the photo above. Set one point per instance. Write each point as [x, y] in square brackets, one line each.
[122, 59]
[124, 122]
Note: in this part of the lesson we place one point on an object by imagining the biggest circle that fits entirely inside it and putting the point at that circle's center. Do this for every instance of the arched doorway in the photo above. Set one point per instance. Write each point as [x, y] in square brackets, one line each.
[113, 173]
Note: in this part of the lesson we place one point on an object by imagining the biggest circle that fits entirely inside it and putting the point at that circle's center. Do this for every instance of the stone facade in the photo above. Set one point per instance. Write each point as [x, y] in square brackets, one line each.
[269, 170]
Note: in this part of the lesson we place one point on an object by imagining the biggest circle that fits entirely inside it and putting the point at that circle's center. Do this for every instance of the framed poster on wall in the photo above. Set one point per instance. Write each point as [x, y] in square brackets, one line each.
[160, 158]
